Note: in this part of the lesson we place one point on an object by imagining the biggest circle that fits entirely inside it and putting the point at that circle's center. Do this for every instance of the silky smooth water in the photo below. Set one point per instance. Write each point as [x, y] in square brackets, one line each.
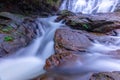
[28, 62]
[89, 6]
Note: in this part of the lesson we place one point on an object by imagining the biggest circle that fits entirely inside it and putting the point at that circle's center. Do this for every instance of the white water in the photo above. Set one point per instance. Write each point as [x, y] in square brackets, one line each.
[89, 6]
[28, 62]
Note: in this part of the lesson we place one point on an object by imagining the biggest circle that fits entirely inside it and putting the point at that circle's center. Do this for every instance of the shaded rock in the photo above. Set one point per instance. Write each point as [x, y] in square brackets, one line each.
[106, 76]
[64, 14]
[102, 22]
[54, 76]
[15, 34]
[14, 17]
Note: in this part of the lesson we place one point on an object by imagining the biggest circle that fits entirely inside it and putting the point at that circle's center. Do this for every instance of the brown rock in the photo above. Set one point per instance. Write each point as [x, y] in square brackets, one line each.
[15, 34]
[73, 41]
[54, 76]
[60, 60]
[102, 22]
[71, 44]
[106, 76]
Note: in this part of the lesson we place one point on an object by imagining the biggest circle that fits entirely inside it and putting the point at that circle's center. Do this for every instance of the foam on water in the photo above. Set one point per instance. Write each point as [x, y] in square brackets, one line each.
[28, 62]
[89, 6]
[21, 68]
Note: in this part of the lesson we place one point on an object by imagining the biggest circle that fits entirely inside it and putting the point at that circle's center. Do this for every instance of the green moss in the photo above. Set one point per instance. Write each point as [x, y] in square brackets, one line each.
[8, 38]
[85, 26]
[7, 29]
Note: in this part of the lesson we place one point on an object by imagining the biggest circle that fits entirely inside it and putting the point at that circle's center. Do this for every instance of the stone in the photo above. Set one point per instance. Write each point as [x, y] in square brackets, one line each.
[15, 34]
[106, 76]
[101, 22]
[73, 41]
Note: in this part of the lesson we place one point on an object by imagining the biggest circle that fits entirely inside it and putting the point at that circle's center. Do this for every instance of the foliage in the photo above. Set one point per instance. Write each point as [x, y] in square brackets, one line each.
[8, 38]
[85, 26]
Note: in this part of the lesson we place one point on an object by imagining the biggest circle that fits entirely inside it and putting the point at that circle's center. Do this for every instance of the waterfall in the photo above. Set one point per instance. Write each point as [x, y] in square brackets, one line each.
[89, 6]
[28, 62]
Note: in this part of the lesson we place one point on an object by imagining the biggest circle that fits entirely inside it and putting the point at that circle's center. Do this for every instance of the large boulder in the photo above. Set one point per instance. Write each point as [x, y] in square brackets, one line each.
[102, 22]
[73, 41]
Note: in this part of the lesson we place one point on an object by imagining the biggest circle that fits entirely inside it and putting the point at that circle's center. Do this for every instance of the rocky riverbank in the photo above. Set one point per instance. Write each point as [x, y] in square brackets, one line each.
[16, 28]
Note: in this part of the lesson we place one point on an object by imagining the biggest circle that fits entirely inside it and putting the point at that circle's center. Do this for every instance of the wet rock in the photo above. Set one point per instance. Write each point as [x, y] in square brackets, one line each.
[71, 47]
[14, 17]
[64, 14]
[74, 41]
[15, 34]
[58, 61]
[106, 76]
[102, 22]
[54, 76]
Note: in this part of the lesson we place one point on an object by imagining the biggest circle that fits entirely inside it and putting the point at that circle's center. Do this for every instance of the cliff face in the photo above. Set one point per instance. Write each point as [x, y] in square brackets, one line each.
[34, 7]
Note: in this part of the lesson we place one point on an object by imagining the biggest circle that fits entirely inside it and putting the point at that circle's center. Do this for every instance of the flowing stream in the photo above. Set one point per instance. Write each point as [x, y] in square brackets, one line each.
[28, 62]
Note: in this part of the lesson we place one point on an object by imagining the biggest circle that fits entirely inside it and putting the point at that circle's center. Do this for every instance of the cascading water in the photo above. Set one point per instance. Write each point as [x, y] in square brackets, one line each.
[89, 6]
[28, 62]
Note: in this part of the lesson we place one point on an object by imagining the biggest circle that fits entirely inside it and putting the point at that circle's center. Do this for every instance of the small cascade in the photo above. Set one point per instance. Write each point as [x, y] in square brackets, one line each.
[89, 6]
[28, 62]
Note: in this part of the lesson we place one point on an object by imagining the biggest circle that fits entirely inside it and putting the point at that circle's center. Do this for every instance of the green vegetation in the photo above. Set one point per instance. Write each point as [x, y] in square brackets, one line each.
[8, 38]
[85, 26]
[7, 29]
